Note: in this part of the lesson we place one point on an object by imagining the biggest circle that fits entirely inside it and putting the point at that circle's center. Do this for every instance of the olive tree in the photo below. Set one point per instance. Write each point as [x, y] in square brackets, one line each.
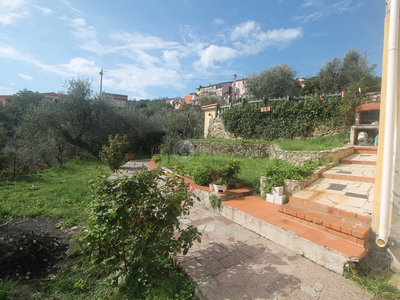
[337, 74]
[274, 82]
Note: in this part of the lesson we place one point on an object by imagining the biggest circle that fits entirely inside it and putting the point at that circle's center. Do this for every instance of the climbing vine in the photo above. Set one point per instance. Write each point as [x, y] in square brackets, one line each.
[287, 119]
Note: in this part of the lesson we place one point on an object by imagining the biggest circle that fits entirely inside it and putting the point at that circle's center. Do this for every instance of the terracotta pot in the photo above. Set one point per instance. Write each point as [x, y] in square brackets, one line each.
[129, 156]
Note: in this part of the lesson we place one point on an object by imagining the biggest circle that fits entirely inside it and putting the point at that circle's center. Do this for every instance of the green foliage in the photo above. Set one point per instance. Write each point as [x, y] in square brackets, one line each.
[201, 175]
[7, 288]
[377, 284]
[157, 159]
[58, 191]
[285, 120]
[274, 82]
[113, 153]
[215, 201]
[337, 74]
[279, 170]
[134, 223]
[315, 144]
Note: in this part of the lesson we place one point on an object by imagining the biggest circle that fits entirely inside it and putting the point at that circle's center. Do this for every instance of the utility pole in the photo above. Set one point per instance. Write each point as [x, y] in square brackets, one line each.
[101, 81]
[234, 88]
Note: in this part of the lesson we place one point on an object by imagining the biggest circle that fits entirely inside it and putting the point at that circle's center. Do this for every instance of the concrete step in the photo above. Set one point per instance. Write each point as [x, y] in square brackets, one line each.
[264, 218]
[360, 159]
[326, 222]
[355, 198]
[351, 172]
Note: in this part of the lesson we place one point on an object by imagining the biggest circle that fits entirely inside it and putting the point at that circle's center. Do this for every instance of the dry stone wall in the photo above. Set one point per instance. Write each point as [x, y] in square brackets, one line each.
[271, 150]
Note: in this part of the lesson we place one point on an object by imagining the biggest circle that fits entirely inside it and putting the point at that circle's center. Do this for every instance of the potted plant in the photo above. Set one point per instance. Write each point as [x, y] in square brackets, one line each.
[220, 186]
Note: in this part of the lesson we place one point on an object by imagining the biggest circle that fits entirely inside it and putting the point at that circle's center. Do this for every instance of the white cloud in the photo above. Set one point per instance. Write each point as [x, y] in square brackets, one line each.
[171, 58]
[27, 77]
[45, 10]
[249, 39]
[317, 9]
[12, 10]
[214, 53]
[85, 34]
[80, 66]
[244, 30]
[218, 21]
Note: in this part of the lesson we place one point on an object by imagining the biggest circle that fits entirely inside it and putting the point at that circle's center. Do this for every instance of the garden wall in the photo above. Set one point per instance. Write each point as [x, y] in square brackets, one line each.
[272, 150]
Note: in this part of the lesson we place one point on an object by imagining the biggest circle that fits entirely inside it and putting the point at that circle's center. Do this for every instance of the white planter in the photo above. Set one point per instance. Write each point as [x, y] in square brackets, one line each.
[280, 199]
[277, 191]
[212, 187]
[270, 198]
[220, 188]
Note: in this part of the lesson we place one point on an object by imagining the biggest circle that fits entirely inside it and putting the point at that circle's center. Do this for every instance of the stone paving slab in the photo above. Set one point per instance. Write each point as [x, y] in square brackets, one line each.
[232, 262]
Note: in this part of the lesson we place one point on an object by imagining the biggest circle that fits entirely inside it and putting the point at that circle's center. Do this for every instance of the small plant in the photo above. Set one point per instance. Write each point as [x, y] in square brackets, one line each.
[157, 159]
[113, 153]
[279, 170]
[215, 201]
[378, 285]
[7, 286]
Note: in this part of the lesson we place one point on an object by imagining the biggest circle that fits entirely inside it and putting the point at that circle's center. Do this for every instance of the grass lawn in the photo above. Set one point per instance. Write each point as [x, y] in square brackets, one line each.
[62, 192]
[309, 144]
[59, 191]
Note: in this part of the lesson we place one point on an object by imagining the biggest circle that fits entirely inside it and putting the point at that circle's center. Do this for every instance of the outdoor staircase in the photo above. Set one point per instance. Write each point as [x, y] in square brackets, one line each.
[327, 222]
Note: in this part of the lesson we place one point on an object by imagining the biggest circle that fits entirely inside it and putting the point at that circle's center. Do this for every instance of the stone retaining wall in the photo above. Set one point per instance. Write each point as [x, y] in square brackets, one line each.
[272, 150]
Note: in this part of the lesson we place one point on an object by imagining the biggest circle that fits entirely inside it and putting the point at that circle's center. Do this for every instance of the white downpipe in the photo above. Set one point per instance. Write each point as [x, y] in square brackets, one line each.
[388, 150]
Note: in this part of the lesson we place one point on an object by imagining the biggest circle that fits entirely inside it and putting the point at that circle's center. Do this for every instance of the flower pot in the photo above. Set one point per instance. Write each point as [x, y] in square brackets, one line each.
[212, 187]
[220, 188]
[129, 156]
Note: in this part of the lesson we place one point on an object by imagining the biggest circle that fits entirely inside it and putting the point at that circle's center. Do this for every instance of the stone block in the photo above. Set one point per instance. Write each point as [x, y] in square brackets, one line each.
[277, 191]
[270, 198]
[280, 199]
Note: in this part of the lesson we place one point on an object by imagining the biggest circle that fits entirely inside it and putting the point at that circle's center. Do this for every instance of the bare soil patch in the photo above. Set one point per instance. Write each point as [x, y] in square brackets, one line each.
[32, 250]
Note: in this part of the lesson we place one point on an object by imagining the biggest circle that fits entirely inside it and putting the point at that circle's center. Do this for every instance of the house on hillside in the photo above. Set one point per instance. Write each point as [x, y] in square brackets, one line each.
[5, 100]
[224, 92]
[118, 100]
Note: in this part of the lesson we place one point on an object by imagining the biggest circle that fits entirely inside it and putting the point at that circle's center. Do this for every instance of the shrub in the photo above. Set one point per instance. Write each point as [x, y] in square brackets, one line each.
[279, 170]
[201, 175]
[134, 223]
[113, 154]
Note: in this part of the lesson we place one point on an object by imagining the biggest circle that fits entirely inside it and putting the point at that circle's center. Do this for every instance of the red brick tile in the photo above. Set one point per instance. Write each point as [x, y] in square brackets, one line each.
[335, 226]
[317, 221]
[308, 218]
[310, 204]
[296, 201]
[352, 239]
[346, 214]
[326, 175]
[293, 213]
[318, 237]
[280, 209]
[327, 209]
[337, 233]
[347, 248]
[300, 215]
[354, 178]
[364, 219]
[360, 232]
[368, 179]
[346, 229]
[286, 210]
[340, 177]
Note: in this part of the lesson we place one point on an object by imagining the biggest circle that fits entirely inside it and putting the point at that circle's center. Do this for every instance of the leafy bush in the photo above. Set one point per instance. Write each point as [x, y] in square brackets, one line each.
[134, 223]
[201, 175]
[279, 170]
[113, 154]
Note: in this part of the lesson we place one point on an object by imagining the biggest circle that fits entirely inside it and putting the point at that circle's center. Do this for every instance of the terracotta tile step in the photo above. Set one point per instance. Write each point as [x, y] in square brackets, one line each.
[357, 162]
[268, 212]
[347, 230]
[347, 177]
[333, 211]
[365, 149]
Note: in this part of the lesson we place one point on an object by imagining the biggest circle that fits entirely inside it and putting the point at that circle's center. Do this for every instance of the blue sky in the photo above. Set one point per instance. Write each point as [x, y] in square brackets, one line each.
[167, 48]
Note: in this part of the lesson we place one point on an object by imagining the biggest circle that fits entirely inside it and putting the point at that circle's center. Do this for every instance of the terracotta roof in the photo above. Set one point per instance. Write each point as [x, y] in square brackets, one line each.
[209, 105]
